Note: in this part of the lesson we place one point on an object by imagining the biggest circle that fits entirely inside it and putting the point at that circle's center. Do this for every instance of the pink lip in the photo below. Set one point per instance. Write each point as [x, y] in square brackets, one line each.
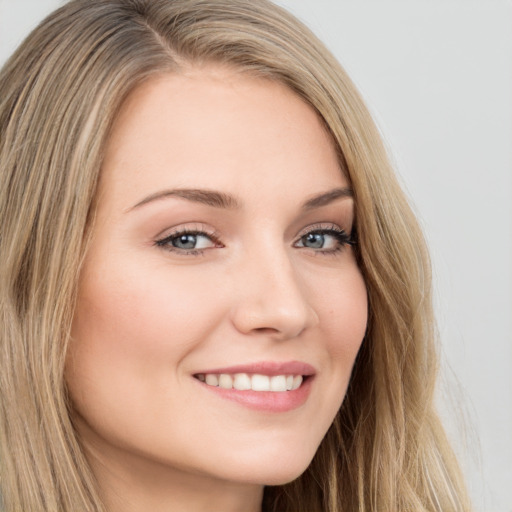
[270, 368]
[266, 401]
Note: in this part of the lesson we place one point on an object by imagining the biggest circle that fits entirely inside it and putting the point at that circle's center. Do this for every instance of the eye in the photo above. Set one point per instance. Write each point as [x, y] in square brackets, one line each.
[325, 239]
[188, 242]
[191, 241]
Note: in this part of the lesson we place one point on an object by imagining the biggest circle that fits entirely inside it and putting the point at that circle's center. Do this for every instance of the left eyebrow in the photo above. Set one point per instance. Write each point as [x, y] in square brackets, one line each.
[195, 195]
[327, 197]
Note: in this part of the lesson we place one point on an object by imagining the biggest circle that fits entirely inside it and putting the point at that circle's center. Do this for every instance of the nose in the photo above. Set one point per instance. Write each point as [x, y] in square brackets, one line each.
[271, 299]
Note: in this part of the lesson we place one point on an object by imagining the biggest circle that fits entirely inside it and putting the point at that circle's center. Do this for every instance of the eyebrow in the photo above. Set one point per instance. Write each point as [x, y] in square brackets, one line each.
[207, 197]
[327, 198]
[229, 202]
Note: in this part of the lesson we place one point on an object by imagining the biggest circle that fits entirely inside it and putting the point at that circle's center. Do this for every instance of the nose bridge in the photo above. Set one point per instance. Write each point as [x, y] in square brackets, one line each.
[271, 298]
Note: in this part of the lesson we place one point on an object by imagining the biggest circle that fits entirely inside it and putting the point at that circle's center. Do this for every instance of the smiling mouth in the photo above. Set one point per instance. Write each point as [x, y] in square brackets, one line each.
[252, 382]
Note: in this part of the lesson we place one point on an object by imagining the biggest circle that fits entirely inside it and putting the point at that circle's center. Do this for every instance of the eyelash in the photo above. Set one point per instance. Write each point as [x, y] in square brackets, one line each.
[342, 238]
[166, 243]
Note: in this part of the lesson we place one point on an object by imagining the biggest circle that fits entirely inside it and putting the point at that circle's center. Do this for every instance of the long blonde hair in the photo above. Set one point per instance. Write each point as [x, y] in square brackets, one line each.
[59, 94]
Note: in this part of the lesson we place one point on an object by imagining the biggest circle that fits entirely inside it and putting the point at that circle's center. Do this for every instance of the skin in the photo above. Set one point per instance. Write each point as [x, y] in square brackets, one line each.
[151, 316]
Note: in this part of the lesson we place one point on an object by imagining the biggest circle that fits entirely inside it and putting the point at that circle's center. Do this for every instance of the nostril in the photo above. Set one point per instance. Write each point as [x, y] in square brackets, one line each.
[278, 308]
[265, 330]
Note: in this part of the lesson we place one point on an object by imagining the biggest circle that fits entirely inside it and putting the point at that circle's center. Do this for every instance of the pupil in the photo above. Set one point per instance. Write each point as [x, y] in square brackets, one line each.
[185, 242]
[315, 240]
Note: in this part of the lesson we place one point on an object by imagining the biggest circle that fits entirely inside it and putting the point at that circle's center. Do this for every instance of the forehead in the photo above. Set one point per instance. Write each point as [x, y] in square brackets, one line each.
[218, 128]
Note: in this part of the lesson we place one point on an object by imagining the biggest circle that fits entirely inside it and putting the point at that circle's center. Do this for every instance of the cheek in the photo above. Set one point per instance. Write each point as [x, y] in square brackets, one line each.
[344, 316]
[132, 328]
[145, 312]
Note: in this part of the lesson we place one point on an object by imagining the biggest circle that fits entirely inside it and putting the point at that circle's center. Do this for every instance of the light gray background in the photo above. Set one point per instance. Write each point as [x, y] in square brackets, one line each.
[437, 74]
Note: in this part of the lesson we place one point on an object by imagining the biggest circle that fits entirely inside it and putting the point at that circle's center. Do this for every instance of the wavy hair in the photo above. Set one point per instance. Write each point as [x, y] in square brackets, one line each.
[59, 95]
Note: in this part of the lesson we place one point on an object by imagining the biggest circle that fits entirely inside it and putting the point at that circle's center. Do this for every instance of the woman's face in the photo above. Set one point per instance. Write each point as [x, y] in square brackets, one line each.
[220, 255]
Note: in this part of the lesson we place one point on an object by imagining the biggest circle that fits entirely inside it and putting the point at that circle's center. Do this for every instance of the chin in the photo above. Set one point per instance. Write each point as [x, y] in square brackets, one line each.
[284, 478]
[276, 468]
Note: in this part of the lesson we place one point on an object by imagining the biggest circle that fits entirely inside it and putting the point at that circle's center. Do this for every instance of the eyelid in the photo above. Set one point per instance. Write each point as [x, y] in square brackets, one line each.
[162, 240]
[342, 237]
[323, 226]
[188, 228]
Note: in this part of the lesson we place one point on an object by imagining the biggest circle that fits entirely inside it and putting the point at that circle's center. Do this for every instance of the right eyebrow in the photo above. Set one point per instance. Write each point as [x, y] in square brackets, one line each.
[203, 196]
[328, 197]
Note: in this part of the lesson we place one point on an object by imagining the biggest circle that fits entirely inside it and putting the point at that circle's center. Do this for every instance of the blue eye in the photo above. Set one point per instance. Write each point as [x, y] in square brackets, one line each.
[314, 240]
[326, 240]
[188, 242]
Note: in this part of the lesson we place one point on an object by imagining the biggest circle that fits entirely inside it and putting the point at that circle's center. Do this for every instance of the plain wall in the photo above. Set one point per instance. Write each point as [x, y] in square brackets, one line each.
[437, 74]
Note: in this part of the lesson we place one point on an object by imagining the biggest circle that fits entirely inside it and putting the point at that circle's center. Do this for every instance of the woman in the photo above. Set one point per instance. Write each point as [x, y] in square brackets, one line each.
[189, 319]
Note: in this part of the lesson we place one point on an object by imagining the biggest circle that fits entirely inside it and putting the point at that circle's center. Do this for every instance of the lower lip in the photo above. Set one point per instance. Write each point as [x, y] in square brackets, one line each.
[266, 401]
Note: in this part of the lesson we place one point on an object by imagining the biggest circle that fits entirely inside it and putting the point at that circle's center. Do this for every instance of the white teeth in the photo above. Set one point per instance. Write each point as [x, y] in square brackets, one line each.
[297, 381]
[256, 382]
[242, 381]
[225, 381]
[260, 383]
[212, 379]
[278, 383]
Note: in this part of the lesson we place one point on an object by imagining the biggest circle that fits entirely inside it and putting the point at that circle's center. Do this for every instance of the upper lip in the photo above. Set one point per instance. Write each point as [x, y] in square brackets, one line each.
[270, 368]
